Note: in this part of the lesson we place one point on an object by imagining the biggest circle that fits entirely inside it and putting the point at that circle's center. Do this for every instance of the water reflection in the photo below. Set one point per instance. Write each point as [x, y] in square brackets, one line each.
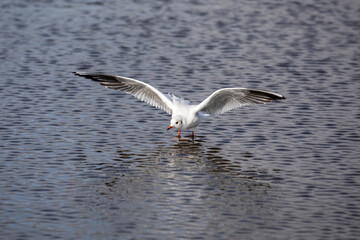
[196, 155]
[173, 169]
[181, 186]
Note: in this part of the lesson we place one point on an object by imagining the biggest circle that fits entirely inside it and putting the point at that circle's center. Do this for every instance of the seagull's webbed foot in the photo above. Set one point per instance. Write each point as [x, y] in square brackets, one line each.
[186, 139]
[189, 138]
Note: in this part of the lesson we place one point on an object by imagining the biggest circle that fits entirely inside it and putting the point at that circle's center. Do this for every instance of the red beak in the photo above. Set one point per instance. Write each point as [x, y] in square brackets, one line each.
[169, 127]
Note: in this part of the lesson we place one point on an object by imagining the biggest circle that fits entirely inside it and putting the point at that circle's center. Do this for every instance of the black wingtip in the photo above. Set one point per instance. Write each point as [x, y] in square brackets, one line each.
[269, 95]
[77, 73]
[90, 76]
[97, 77]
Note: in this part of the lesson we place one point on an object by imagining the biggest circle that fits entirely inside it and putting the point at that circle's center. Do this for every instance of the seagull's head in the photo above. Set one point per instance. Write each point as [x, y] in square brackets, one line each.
[176, 122]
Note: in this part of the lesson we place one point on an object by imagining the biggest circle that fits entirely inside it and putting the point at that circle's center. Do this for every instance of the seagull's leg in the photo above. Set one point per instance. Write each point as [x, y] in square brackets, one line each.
[178, 134]
[192, 135]
[190, 139]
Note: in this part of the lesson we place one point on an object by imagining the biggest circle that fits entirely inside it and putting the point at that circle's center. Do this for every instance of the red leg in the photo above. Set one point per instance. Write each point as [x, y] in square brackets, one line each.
[178, 134]
[192, 135]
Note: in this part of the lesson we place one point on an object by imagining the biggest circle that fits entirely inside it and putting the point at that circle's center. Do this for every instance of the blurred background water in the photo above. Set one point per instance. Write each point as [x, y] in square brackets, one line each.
[78, 161]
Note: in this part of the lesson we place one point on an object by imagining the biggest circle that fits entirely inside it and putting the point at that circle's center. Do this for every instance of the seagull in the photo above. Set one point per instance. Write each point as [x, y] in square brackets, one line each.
[184, 116]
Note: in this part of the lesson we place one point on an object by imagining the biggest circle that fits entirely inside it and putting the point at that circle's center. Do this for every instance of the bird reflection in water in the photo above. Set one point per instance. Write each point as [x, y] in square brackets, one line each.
[193, 158]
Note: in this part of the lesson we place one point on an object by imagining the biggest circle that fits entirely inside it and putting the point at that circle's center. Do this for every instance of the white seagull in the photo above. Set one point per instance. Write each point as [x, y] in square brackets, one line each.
[184, 116]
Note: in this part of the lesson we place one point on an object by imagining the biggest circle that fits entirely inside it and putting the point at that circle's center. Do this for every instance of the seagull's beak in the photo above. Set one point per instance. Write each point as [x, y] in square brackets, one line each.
[169, 127]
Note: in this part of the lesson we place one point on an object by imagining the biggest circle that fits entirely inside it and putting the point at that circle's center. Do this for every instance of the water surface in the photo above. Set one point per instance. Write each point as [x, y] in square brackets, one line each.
[81, 161]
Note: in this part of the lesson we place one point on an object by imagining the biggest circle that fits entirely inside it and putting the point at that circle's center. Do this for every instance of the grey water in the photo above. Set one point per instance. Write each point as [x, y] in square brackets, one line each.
[79, 161]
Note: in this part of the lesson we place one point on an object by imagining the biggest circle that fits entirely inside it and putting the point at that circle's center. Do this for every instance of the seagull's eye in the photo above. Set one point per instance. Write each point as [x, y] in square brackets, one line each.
[176, 122]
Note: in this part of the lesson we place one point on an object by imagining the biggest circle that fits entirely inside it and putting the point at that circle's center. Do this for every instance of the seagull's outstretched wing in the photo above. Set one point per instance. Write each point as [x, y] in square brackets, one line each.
[141, 90]
[226, 99]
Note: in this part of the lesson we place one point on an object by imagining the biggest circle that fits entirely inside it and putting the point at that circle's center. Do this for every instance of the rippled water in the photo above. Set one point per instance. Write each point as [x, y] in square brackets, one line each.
[81, 161]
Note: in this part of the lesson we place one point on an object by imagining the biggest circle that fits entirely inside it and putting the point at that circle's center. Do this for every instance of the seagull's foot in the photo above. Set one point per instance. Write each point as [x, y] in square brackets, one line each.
[183, 139]
[186, 139]
[189, 139]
